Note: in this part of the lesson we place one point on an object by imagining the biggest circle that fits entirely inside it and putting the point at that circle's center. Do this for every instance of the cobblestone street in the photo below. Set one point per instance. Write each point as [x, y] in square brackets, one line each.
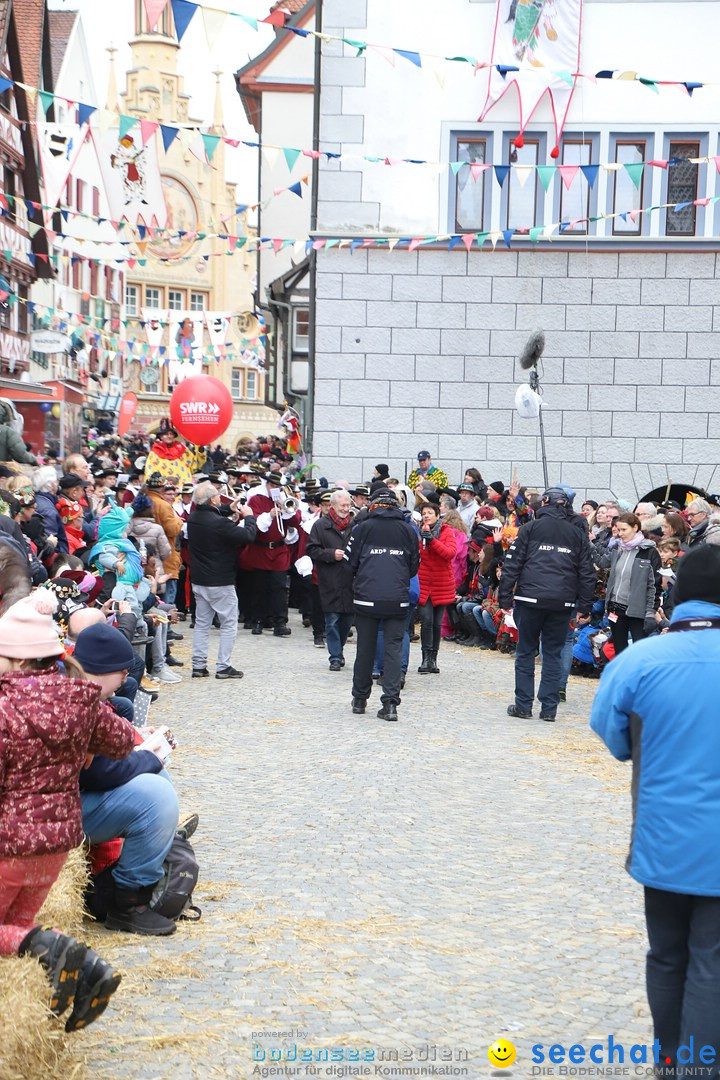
[443, 881]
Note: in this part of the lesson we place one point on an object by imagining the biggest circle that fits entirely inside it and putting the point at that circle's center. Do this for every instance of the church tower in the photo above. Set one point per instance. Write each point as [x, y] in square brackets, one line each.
[199, 200]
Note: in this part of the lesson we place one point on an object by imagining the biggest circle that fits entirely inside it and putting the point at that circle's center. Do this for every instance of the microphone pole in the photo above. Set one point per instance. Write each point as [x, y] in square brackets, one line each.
[534, 381]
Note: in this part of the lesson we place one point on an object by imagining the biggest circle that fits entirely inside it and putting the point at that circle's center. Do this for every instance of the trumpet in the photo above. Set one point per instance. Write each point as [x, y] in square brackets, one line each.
[288, 504]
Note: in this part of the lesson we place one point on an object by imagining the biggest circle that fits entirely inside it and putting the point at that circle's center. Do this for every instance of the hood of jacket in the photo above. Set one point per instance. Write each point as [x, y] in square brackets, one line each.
[561, 513]
[695, 609]
[112, 525]
[48, 702]
[386, 512]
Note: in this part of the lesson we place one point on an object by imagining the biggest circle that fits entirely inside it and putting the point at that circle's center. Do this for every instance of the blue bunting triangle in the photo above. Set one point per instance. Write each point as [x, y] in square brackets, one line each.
[507, 236]
[183, 12]
[501, 173]
[590, 173]
[169, 134]
[85, 112]
[413, 57]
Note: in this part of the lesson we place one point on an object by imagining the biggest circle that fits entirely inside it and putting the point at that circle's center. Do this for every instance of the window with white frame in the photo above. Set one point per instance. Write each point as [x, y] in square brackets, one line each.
[132, 300]
[682, 188]
[523, 192]
[198, 301]
[301, 329]
[236, 382]
[251, 388]
[176, 299]
[153, 296]
[628, 186]
[470, 185]
[575, 199]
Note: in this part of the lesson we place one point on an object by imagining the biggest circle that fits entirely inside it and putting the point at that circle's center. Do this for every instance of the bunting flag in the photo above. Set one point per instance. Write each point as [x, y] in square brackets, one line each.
[154, 9]
[59, 147]
[131, 176]
[218, 327]
[185, 344]
[155, 327]
[183, 12]
[532, 41]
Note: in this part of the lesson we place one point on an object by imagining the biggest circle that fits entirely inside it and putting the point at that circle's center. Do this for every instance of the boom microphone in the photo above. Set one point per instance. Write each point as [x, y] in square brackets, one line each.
[534, 348]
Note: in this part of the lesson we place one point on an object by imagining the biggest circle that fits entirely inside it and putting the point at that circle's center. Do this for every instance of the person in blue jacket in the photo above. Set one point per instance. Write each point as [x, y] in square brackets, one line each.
[657, 705]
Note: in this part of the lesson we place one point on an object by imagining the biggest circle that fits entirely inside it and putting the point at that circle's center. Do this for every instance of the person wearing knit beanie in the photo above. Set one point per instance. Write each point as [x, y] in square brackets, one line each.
[106, 655]
[27, 629]
[381, 472]
[698, 576]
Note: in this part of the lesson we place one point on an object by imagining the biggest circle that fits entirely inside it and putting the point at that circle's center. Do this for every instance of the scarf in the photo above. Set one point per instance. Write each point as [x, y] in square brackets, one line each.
[173, 452]
[340, 523]
[631, 545]
[434, 532]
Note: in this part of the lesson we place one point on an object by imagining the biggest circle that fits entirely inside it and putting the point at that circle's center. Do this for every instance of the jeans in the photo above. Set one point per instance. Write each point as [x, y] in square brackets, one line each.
[489, 624]
[378, 662]
[683, 975]
[209, 601]
[337, 626]
[123, 706]
[137, 670]
[367, 631]
[145, 813]
[170, 593]
[431, 618]
[536, 626]
[158, 646]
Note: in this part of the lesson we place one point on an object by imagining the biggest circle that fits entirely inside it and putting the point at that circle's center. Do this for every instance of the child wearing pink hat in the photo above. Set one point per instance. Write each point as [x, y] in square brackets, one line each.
[50, 723]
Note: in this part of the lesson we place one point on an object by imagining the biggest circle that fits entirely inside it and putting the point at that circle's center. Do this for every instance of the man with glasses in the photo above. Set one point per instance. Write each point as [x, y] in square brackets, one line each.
[698, 515]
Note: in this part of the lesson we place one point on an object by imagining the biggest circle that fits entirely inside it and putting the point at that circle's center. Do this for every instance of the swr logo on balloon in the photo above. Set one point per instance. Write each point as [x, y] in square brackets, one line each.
[198, 410]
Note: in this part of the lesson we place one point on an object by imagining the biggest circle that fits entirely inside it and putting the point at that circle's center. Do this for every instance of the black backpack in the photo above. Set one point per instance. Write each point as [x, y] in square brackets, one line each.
[172, 896]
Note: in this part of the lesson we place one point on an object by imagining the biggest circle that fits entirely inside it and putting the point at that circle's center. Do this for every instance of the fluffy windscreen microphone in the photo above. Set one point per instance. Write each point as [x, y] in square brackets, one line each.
[534, 348]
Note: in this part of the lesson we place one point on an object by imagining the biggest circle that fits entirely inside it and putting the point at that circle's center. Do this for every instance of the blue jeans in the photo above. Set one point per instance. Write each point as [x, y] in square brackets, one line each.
[337, 626]
[378, 666]
[129, 688]
[170, 593]
[489, 625]
[536, 625]
[123, 706]
[145, 813]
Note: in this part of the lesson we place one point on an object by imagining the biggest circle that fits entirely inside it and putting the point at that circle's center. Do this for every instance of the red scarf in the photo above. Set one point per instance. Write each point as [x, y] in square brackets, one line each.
[340, 523]
[168, 453]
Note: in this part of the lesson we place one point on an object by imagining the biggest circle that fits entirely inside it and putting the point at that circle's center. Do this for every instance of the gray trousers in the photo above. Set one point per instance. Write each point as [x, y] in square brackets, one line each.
[211, 600]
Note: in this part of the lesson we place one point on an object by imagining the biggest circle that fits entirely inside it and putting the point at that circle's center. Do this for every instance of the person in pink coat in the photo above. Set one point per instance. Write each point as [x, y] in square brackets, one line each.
[50, 724]
[438, 547]
[459, 566]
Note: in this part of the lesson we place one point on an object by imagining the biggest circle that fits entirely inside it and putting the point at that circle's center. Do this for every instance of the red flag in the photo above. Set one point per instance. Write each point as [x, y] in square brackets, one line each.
[128, 407]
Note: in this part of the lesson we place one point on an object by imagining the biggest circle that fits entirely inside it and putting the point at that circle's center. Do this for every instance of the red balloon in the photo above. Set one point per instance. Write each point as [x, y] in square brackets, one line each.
[201, 409]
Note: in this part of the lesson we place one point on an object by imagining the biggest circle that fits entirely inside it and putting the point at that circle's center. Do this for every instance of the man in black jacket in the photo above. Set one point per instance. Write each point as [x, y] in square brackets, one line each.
[549, 567]
[213, 543]
[326, 547]
[383, 554]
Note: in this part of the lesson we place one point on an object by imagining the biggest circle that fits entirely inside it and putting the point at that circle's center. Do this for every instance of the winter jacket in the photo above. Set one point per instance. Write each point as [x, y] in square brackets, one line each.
[172, 526]
[657, 704]
[46, 509]
[437, 581]
[214, 541]
[48, 724]
[175, 462]
[12, 447]
[549, 564]
[150, 532]
[707, 532]
[383, 555]
[334, 577]
[644, 593]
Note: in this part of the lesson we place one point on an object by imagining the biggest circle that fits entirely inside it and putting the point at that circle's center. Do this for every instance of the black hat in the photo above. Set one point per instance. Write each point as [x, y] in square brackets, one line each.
[102, 648]
[497, 486]
[362, 489]
[423, 454]
[377, 485]
[155, 481]
[165, 427]
[274, 477]
[383, 471]
[218, 477]
[71, 480]
[698, 575]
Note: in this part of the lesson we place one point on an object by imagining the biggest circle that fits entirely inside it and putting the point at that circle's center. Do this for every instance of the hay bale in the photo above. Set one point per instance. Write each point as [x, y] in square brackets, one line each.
[34, 1046]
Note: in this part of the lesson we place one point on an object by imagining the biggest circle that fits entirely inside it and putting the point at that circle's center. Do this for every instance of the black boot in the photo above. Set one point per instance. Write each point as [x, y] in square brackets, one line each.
[434, 669]
[281, 630]
[130, 912]
[97, 983]
[358, 705]
[62, 957]
[425, 667]
[388, 711]
[257, 626]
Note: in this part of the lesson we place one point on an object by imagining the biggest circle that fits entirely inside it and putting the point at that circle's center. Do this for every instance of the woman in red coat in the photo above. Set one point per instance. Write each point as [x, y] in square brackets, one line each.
[438, 545]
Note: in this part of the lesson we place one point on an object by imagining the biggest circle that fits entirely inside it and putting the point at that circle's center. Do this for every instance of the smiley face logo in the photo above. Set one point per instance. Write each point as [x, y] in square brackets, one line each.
[501, 1054]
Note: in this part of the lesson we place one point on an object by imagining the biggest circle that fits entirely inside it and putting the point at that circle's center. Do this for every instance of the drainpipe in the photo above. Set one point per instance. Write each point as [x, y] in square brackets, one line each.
[310, 418]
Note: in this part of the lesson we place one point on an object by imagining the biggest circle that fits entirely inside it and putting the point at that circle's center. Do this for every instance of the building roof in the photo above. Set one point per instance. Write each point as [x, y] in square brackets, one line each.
[30, 26]
[61, 25]
[301, 11]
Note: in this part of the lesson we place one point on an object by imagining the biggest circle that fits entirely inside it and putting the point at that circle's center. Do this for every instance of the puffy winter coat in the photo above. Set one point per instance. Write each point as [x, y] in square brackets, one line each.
[657, 704]
[172, 526]
[334, 577]
[12, 447]
[150, 532]
[48, 724]
[437, 581]
[549, 564]
[383, 555]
